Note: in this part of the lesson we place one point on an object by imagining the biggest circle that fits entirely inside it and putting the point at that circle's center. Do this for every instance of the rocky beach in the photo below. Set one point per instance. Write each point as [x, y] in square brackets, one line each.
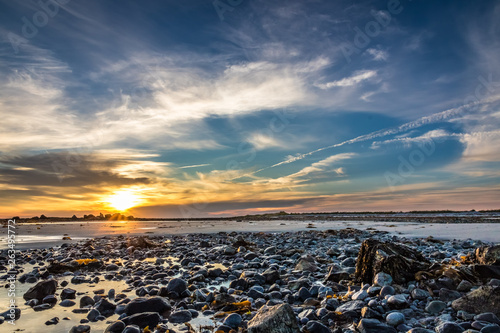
[343, 280]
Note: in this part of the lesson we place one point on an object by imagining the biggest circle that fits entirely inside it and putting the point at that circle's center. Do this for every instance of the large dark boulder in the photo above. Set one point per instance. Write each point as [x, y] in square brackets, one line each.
[397, 260]
[142, 320]
[483, 299]
[142, 304]
[278, 318]
[41, 289]
[488, 255]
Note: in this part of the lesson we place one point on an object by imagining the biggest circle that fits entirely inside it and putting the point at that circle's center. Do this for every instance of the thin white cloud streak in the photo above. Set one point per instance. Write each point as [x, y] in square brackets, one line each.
[356, 78]
[194, 166]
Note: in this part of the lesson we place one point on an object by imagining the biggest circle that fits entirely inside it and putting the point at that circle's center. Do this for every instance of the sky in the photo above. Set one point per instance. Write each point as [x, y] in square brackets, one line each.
[234, 107]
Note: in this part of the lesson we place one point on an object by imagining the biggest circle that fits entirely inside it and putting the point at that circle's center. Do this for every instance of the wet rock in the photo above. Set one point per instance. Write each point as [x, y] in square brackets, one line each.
[306, 263]
[10, 314]
[354, 306]
[271, 275]
[488, 255]
[67, 303]
[447, 295]
[449, 327]
[142, 320]
[68, 293]
[179, 317]
[395, 318]
[176, 287]
[314, 326]
[86, 301]
[485, 272]
[483, 299]
[464, 286]
[105, 307]
[116, 327]
[397, 260]
[382, 279]
[489, 317]
[397, 302]
[419, 294]
[41, 289]
[93, 314]
[152, 304]
[53, 321]
[278, 318]
[374, 326]
[234, 320]
[80, 329]
[435, 307]
[132, 329]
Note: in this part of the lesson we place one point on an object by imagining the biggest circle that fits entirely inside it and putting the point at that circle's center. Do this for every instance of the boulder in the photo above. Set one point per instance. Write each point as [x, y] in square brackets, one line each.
[374, 326]
[278, 318]
[397, 260]
[41, 289]
[488, 255]
[142, 320]
[306, 263]
[142, 304]
[483, 299]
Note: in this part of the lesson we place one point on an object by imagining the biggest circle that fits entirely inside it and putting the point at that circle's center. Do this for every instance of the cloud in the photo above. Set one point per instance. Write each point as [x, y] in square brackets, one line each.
[378, 54]
[356, 78]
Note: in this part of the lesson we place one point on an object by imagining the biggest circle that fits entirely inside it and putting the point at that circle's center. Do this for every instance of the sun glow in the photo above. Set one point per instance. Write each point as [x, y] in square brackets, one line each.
[123, 200]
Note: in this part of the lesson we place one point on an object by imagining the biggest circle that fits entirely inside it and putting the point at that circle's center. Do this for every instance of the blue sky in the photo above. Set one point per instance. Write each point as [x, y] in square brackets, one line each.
[238, 107]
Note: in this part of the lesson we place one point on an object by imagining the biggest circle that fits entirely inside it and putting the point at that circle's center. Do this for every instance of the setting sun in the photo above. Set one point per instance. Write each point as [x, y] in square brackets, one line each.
[123, 200]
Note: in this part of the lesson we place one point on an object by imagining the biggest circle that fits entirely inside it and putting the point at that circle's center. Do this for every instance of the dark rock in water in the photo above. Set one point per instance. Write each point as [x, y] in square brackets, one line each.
[278, 318]
[488, 255]
[179, 317]
[449, 327]
[142, 320]
[485, 272]
[374, 326]
[80, 329]
[153, 304]
[105, 307]
[397, 260]
[41, 289]
[116, 327]
[68, 293]
[483, 299]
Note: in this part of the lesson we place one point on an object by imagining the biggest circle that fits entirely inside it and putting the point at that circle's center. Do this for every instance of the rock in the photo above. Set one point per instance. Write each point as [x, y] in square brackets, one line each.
[93, 314]
[492, 328]
[142, 320]
[488, 255]
[464, 286]
[68, 293]
[397, 260]
[306, 264]
[229, 250]
[132, 329]
[382, 279]
[176, 287]
[395, 318]
[116, 327]
[14, 313]
[489, 317]
[359, 295]
[67, 303]
[80, 329]
[449, 327]
[278, 318]
[355, 306]
[86, 301]
[397, 302]
[53, 321]
[336, 276]
[447, 295]
[271, 275]
[105, 307]
[374, 326]
[152, 304]
[41, 289]
[435, 307]
[234, 320]
[419, 294]
[486, 272]
[483, 299]
[179, 317]
[314, 326]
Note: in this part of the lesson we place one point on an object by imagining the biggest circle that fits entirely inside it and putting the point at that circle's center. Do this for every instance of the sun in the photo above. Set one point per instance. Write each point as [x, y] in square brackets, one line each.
[123, 200]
